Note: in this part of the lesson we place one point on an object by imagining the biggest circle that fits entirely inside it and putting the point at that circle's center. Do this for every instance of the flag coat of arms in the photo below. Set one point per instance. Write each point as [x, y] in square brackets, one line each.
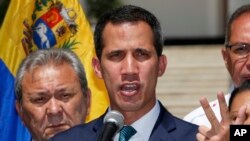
[40, 24]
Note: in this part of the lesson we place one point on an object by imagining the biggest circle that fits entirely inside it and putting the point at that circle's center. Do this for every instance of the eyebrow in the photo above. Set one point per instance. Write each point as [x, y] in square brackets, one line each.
[115, 51]
[45, 92]
[142, 49]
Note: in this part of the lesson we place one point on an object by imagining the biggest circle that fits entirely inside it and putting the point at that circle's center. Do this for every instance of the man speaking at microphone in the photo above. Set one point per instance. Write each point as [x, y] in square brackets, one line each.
[128, 45]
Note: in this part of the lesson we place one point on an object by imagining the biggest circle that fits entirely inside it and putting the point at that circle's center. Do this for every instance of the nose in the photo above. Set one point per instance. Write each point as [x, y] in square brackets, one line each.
[129, 65]
[54, 106]
[54, 111]
[130, 69]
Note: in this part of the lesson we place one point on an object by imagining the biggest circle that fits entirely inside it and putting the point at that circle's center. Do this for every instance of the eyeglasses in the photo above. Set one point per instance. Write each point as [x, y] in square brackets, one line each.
[241, 50]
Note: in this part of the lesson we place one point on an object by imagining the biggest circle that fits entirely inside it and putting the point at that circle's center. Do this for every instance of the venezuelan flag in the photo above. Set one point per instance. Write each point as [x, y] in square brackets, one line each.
[37, 24]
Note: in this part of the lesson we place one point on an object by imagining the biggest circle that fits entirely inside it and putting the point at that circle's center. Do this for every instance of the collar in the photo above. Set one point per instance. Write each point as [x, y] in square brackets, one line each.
[148, 119]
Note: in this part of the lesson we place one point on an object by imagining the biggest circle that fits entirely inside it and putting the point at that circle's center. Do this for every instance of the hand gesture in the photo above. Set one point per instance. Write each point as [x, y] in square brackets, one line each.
[219, 129]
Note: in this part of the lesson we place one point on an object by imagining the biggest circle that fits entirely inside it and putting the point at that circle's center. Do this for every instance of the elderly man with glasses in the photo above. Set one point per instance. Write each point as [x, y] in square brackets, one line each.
[236, 57]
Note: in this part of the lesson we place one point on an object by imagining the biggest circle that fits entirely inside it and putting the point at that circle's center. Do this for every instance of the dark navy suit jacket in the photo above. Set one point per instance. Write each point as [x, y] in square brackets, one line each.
[167, 128]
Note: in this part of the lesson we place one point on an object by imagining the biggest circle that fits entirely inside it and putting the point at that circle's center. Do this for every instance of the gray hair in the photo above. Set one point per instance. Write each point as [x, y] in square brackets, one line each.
[53, 56]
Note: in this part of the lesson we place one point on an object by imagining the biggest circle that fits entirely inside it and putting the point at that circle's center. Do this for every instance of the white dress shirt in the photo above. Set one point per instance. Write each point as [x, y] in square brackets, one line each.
[144, 125]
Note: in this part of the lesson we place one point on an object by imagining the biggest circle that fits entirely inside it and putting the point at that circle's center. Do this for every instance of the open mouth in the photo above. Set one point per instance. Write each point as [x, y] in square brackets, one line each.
[129, 89]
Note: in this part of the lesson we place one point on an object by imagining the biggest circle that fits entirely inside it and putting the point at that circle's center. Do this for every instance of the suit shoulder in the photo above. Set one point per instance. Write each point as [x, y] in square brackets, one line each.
[185, 129]
[182, 123]
[83, 132]
[174, 127]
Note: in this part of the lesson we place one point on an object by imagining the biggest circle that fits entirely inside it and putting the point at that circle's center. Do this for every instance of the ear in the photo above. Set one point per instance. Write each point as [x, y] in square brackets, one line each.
[225, 55]
[162, 65]
[88, 98]
[19, 110]
[97, 68]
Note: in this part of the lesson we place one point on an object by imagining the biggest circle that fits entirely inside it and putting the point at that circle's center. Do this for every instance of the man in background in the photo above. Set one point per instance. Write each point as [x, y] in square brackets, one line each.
[52, 92]
[236, 58]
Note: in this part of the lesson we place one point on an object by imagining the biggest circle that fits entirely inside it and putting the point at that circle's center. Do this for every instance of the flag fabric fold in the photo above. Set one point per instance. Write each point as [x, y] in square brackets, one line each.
[40, 24]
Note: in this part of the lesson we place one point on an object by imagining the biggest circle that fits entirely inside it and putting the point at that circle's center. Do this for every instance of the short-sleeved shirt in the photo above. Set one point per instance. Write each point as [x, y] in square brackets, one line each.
[198, 116]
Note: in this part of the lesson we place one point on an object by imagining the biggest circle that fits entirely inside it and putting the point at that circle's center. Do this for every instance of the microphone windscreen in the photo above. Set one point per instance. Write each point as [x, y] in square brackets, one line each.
[114, 117]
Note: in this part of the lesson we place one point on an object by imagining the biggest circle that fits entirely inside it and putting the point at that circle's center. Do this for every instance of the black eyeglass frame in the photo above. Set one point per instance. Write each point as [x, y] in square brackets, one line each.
[241, 50]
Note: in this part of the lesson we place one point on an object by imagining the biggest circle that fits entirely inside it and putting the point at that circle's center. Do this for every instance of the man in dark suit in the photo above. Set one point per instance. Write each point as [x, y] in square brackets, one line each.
[128, 44]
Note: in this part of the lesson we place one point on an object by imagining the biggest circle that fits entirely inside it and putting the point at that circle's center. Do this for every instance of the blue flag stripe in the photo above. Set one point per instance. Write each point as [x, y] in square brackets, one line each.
[10, 122]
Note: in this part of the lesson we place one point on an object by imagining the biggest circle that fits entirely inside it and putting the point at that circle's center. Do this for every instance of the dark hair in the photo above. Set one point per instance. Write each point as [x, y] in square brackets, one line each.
[52, 56]
[127, 13]
[244, 87]
[240, 11]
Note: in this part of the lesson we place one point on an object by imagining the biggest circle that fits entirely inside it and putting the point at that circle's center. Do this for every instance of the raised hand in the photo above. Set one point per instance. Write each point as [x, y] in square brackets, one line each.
[219, 129]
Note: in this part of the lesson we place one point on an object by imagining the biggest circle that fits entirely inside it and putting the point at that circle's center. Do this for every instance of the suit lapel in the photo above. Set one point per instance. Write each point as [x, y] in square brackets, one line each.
[164, 125]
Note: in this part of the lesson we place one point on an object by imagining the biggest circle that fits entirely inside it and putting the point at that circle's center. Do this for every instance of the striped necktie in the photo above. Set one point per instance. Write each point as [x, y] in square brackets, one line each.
[126, 133]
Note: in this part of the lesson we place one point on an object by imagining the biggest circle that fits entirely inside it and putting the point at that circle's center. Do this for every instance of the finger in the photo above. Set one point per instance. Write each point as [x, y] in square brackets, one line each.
[223, 108]
[210, 114]
[200, 137]
[203, 130]
[242, 115]
[248, 105]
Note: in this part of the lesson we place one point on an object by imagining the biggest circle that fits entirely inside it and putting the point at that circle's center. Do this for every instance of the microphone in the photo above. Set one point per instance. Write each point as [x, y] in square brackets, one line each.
[113, 122]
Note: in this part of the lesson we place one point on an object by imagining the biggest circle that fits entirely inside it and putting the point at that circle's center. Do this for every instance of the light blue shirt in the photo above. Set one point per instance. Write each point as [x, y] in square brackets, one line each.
[144, 125]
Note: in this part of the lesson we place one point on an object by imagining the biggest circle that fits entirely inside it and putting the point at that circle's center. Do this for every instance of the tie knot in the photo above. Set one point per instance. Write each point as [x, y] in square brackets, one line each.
[126, 132]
